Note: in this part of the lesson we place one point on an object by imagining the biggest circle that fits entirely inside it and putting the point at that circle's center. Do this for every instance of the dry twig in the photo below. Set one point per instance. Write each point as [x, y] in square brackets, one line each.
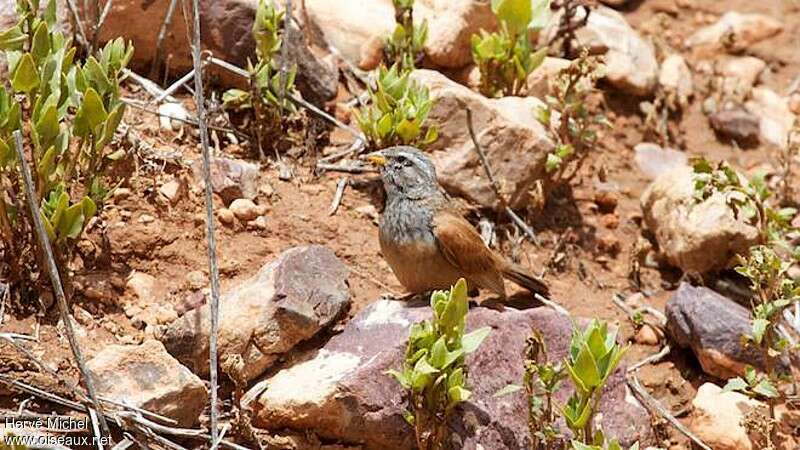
[55, 279]
[210, 224]
[337, 198]
[495, 185]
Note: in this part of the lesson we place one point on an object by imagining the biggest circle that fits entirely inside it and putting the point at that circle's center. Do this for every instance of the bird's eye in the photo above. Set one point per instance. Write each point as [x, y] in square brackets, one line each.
[403, 161]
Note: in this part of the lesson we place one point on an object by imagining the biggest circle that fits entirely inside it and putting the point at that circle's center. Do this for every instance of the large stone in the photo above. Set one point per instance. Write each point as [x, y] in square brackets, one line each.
[516, 144]
[226, 31]
[712, 326]
[675, 78]
[654, 160]
[777, 118]
[230, 178]
[630, 61]
[717, 418]
[739, 74]
[736, 124]
[342, 392]
[287, 302]
[146, 376]
[695, 237]
[541, 80]
[451, 24]
[736, 31]
[349, 25]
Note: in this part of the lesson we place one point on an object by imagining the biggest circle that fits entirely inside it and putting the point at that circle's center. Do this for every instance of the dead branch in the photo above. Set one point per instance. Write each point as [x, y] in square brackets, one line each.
[337, 198]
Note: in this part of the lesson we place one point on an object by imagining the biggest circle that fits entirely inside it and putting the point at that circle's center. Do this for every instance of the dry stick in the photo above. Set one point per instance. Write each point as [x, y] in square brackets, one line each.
[652, 359]
[619, 300]
[149, 85]
[346, 168]
[496, 186]
[78, 23]
[99, 25]
[337, 198]
[654, 405]
[212, 241]
[175, 86]
[162, 32]
[55, 279]
[284, 47]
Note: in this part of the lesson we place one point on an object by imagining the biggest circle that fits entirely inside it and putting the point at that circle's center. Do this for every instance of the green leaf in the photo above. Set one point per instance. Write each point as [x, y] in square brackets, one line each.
[26, 77]
[585, 369]
[41, 42]
[96, 76]
[88, 207]
[71, 224]
[47, 128]
[91, 114]
[401, 378]
[12, 39]
[735, 385]
[765, 388]
[471, 341]
[517, 14]
[438, 353]
[759, 328]
[578, 445]
[458, 394]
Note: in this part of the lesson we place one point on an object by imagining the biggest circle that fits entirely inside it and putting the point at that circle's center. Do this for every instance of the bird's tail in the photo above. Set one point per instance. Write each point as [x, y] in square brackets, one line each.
[523, 278]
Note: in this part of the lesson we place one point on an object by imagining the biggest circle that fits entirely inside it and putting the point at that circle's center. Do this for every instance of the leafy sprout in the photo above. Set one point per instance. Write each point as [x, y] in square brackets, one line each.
[506, 57]
[434, 374]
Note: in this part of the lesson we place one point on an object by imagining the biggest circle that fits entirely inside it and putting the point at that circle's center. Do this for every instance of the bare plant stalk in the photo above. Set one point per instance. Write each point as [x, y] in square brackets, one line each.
[55, 279]
[99, 25]
[495, 185]
[162, 32]
[210, 232]
[287, 25]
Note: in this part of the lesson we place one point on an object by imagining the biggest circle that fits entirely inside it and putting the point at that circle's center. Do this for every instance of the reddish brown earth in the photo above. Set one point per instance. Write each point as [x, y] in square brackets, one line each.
[597, 247]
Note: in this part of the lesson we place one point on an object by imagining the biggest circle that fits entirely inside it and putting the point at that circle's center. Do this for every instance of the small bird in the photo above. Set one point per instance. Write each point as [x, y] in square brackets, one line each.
[427, 244]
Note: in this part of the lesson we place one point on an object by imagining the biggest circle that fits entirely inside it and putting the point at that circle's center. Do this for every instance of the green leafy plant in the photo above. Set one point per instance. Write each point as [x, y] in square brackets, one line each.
[765, 266]
[434, 373]
[506, 57]
[266, 104]
[405, 46]
[566, 115]
[593, 356]
[69, 113]
[397, 112]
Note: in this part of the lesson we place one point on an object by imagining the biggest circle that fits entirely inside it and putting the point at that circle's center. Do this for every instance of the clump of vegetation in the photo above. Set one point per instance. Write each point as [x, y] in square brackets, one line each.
[405, 46]
[506, 57]
[566, 115]
[434, 373]
[68, 113]
[766, 268]
[397, 112]
[593, 356]
[785, 158]
[266, 104]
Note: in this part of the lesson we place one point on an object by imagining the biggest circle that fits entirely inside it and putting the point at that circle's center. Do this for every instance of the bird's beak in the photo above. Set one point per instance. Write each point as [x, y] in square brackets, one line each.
[376, 158]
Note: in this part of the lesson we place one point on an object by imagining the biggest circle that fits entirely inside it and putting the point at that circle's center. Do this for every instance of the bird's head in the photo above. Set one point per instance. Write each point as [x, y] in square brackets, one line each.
[405, 171]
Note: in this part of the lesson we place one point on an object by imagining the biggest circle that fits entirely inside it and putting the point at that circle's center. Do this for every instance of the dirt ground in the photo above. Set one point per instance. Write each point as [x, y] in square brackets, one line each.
[595, 244]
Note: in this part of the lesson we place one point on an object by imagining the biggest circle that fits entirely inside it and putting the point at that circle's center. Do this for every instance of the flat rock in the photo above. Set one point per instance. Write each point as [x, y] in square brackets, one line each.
[227, 32]
[736, 31]
[540, 81]
[736, 124]
[515, 143]
[230, 178]
[776, 117]
[695, 237]
[451, 25]
[675, 77]
[342, 393]
[290, 300]
[148, 377]
[712, 326]
[717, 418]
[739, 74]
[348, 25]
[630, 61]
[654, 160]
